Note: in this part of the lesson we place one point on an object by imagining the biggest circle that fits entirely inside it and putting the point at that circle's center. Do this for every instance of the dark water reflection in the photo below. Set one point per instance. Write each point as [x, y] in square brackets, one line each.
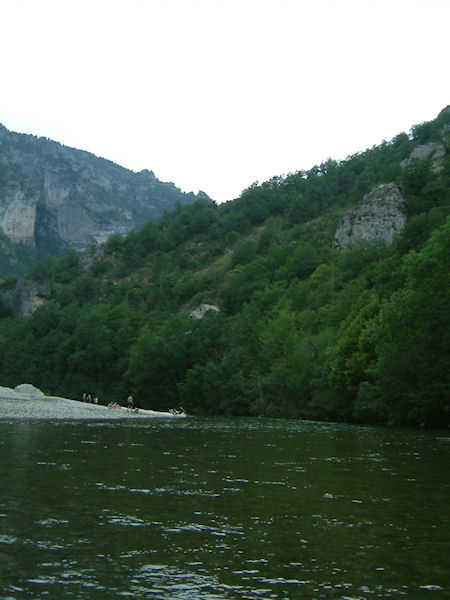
[229, 508]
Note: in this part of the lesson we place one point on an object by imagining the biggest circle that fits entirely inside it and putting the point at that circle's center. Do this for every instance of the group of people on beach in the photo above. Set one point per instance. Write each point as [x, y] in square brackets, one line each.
[90, 399]
[94, 400]
[130, 405]
[114, 405]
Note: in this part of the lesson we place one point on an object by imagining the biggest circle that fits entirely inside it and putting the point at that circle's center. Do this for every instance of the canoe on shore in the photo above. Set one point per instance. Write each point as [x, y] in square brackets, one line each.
[158, 413]
[170, 414]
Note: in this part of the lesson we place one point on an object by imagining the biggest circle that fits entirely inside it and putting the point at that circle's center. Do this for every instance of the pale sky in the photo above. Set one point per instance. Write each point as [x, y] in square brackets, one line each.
[218, 94]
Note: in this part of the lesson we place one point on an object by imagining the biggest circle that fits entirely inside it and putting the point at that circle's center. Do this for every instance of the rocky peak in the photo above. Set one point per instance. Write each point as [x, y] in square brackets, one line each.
[379, 217]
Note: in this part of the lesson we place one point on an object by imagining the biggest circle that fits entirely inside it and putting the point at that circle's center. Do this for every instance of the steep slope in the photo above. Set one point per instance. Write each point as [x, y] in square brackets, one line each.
[293, 324]
[54, 198]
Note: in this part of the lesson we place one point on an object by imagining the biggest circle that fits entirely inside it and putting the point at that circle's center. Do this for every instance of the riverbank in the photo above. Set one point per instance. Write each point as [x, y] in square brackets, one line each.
[27, 402]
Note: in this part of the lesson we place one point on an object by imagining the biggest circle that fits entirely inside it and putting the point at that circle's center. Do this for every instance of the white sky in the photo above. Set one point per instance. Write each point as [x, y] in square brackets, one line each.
[216, 94]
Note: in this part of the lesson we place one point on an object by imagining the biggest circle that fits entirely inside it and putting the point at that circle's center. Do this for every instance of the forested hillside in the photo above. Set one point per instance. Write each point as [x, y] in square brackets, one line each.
[301, 330]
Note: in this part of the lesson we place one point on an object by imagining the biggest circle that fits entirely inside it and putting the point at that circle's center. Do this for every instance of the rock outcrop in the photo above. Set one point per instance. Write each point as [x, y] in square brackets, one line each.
[379, 218]
[18, 217]
[54, 198]
[433, 151]
[25, 297]
[201, 310]
[29, 389]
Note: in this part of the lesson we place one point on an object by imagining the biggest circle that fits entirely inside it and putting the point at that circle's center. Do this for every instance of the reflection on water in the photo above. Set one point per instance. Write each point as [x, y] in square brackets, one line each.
[222, 508]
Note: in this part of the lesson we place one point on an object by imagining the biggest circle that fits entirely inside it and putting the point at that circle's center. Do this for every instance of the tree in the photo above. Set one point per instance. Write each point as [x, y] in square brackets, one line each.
[301, 262]
[159, 360]
[352, 354]
[283, 386]
[412, 372]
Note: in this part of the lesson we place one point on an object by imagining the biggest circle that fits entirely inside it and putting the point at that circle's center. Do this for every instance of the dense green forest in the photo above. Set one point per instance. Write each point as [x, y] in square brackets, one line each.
[303, 331]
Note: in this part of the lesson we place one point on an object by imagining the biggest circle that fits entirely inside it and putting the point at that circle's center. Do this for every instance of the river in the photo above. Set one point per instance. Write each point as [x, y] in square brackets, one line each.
[211, 509]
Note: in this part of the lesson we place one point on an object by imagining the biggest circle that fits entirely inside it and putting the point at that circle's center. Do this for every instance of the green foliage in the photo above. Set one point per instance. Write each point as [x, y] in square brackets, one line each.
[158, 359]
[419, 228]
[353, 353]
[243, 253]
[412, 370]
[358, 256]
[300, 263]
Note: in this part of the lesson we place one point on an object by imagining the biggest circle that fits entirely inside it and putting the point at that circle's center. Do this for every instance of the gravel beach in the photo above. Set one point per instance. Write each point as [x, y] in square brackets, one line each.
[27, 402]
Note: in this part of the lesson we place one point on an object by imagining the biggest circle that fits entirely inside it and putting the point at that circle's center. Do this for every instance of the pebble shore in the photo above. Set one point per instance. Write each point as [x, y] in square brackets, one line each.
[35, 405]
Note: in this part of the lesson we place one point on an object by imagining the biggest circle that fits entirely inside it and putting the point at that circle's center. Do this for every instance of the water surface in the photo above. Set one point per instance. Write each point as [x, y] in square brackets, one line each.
[222, 508]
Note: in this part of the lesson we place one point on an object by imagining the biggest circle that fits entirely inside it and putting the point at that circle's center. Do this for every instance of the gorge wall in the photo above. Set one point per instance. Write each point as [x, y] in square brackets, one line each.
[54, 198]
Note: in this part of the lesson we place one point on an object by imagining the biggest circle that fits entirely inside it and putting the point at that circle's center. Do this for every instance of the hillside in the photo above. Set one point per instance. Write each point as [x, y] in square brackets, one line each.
[323, 295]
[54, 199]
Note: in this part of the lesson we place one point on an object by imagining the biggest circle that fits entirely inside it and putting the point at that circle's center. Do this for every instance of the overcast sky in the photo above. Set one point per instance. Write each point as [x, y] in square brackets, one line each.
[216, 94]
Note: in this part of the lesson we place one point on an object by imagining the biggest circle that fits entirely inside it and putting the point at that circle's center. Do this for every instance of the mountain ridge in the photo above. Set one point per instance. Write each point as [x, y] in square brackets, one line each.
[54, 198]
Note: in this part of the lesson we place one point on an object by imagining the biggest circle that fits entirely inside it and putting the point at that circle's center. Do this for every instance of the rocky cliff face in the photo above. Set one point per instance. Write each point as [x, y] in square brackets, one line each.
[54, 198]
[433, 151]
[380, 217]
[25, 297]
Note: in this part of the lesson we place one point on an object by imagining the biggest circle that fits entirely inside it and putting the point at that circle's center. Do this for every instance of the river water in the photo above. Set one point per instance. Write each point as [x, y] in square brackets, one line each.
[211, 509]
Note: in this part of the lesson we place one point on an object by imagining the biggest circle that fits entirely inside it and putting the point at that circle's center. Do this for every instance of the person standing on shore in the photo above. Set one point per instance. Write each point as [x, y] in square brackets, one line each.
[130, 402]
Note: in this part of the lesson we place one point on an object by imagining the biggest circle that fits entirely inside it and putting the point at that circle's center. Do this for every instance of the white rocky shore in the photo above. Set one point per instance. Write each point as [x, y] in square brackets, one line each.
[27, 402]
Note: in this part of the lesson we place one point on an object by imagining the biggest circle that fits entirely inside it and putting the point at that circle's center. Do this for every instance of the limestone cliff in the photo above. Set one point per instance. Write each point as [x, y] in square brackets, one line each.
[379, 217]
[432, 151]
[25, 297]
[54, 198]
